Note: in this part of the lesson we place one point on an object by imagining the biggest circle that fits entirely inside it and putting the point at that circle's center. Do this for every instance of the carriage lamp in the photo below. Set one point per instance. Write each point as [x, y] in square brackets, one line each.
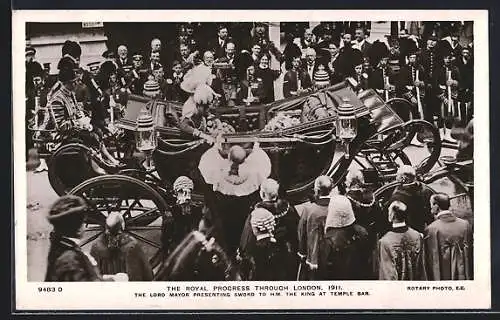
[347, 128]
[145, 135]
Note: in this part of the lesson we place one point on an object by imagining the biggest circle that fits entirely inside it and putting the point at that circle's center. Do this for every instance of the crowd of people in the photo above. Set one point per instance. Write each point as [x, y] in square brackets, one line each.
[435, 74]
[262, 237]
[339, 234]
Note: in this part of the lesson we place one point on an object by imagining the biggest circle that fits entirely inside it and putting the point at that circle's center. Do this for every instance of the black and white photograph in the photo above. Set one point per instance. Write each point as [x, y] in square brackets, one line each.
[253, 154]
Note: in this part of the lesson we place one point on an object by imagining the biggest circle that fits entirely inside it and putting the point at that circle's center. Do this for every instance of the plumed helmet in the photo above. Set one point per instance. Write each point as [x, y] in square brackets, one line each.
[203, 94]
[195, 77]
[340, 213]
[183, 182]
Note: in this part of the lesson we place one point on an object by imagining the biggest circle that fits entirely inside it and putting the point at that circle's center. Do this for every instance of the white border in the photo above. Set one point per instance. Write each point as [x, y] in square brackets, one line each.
[383, 295]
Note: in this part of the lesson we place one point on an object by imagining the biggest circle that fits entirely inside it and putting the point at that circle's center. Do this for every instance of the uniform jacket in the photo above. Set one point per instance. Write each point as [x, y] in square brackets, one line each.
[376, 80]
[290, 82]
[67, 262]
[448, 245]
[466, 69]
[400, 255]
[127, 258]
[62, 110]
[430, 62]
[256, 87]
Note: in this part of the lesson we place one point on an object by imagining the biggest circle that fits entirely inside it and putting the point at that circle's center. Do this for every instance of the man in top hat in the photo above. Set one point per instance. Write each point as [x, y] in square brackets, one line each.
[447, 80]
[382, 77]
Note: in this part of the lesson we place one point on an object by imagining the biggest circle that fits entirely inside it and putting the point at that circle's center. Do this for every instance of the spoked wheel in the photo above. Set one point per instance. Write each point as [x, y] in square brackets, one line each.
[69, 166]
[383, 195]
[141, 206]
[416, 143]
[403, 107]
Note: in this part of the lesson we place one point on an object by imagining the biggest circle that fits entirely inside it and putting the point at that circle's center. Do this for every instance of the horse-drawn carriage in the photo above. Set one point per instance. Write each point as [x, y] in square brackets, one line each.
[356, 130]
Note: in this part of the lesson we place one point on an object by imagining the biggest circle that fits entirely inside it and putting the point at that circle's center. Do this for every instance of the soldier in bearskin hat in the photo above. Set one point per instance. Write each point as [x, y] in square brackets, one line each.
[382, 77]
[410, 77]
[446, 80]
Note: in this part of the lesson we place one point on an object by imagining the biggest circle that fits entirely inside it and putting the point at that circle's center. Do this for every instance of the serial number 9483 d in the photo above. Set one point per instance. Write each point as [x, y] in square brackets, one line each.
[50, 289]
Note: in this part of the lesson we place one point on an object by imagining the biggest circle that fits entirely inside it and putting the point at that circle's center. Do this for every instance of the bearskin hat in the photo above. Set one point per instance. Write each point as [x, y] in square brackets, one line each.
[71, 48]
[377, 51]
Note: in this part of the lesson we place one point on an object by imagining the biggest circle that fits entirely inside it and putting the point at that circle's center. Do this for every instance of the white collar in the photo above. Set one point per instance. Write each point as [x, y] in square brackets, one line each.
[441, 213]
[324, 197]
[398, 225]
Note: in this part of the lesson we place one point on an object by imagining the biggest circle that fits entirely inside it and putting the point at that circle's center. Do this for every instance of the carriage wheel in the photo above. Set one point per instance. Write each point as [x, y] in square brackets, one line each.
[403, 107]
[140, 205]
[383, 195]
[398, 141]
[69, 166]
